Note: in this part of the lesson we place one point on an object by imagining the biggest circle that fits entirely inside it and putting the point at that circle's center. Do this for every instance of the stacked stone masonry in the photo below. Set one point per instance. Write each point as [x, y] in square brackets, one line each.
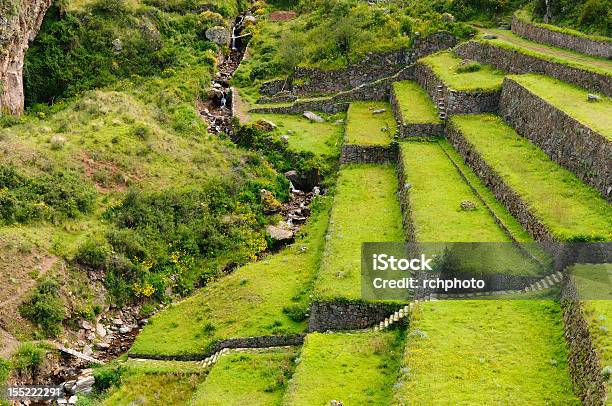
[455, 102]
[513, 202]
[513, 61]
[538, 33]
[413, 130]
[340, 315]
[570, 143]
[374, 67]
[583, 360]
[374, 154]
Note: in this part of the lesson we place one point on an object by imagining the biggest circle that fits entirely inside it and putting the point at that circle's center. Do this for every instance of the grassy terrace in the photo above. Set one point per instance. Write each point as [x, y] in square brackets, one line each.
[445, 66]
[436, 195]
[365, 209]
[507, 39]
[363, 127]
[357, 369]
[486, 352]
[249, 302]
[572, 100]
[415, 105]
[257, 379]
[437, 190]
[155, 383]
[304, 135]
[570, 209]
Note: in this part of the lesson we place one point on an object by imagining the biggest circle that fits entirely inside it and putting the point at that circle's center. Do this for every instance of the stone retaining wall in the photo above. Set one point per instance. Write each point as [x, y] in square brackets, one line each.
[369, 154]
[404, 199]
[455, 102]
[568, 142]
[328, 106]
[341, 315]
[512, 61]
[373, 67]
[583, 361]
[246, 342]
[513, 202]
[543, 35]
[412, 130]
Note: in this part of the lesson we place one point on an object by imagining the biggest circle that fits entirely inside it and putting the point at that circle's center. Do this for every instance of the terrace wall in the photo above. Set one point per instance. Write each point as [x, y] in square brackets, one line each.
[370, 154]
[245, 342]
[513, 202]
[373, 67]
[584, 364]
[568, 142]
[410, 130]
[513, 61]
[342, 315]
[455, 102]
[543, 35]
[404, 199]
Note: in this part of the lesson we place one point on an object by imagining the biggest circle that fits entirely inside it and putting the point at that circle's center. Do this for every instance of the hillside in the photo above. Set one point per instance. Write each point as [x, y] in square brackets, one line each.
[188, 187]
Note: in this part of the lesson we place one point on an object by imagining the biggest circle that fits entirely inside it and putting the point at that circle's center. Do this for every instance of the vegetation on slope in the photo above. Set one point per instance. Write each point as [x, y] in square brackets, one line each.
[591, 16]
[356, 369]
[269, 297]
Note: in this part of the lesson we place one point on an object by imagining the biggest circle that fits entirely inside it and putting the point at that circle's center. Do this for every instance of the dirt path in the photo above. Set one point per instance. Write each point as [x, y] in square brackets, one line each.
[8, 343]
[45, 265]
[508, 36]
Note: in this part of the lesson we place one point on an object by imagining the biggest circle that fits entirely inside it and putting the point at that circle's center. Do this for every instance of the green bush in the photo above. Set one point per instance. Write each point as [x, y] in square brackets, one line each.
[29, 358]
[52, 196]
[45, 308]
[107, 377]
[5, 370]
[297, 312]
[469, 66]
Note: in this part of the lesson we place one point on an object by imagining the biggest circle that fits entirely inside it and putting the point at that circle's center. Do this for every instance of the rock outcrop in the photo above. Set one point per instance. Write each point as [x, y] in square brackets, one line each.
[20, 21]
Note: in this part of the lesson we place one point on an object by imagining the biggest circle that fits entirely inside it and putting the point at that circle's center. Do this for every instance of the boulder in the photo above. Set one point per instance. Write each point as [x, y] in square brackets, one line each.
[218, 34]
[379, 111]
[313, 117]
[593, 98]
[264, 125]
[117, 45]
[102, 346]
[284, 139]
[100, 330]
[280, 232]
[490, 36]
[466, 205]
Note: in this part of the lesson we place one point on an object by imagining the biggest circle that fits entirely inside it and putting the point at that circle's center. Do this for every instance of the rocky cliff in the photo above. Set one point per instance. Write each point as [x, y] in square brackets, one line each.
[20, 21]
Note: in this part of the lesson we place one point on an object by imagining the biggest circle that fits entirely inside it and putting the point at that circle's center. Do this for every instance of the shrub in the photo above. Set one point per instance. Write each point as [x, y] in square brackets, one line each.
[107, 377]
[468, 66]
[296, 312]
[94, 254]
[29, 358]
[5, 370]
[45, 308]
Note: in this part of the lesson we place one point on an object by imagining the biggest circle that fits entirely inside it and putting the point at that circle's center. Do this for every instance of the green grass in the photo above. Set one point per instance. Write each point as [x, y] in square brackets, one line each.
[485, 353]
[249, 302]
[321, 139]
[506, 39]
[247, 379]
[365, 128]
[357, 369]
[365, 209]
[436, 193]
[572, 100]
[566, 206]
[154, 389]
[515, 228]
[415, 105]
[445, 64]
